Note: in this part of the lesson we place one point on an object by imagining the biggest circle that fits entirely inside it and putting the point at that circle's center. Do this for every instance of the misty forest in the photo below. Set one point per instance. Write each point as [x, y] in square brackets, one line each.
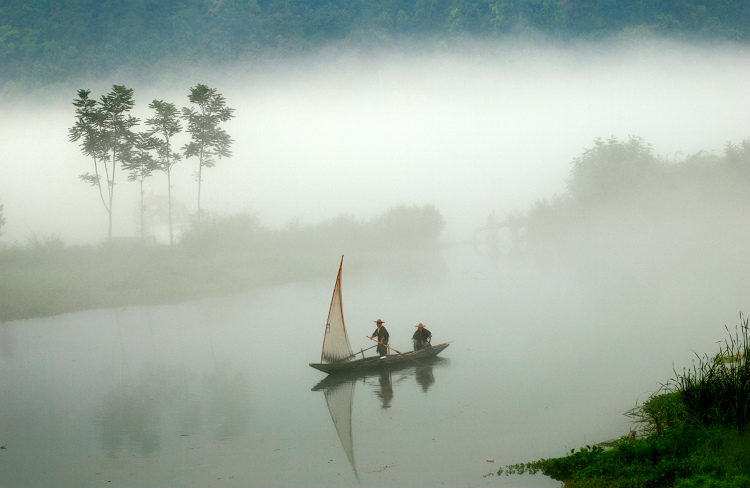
[561, 187]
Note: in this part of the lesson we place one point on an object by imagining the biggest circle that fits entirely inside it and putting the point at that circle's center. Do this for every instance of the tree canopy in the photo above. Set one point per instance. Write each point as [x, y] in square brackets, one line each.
[43, 42]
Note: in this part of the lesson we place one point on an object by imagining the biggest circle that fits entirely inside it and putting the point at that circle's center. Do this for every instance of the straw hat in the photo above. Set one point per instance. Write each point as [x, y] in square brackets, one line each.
[420, 325]
[379, 321]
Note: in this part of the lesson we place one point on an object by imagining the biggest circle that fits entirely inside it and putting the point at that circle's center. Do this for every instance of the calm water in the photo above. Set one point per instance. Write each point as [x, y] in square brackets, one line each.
[219, 393]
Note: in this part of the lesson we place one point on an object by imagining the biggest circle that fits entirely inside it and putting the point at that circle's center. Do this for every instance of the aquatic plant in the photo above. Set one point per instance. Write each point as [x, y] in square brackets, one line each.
[692, 432]
[717, 389]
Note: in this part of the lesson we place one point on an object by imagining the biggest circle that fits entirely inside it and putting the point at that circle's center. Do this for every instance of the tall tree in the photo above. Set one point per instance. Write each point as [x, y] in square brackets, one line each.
[105, 129]
[164, 125]
[140, 164]
[2, 217]
[209, 140]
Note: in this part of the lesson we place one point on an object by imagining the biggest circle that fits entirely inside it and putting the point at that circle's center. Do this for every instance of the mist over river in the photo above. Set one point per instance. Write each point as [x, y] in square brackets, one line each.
[218, 392]
[470, 128]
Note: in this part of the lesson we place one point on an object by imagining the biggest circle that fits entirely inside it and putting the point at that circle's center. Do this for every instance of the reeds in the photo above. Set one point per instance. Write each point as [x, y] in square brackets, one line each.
[716, 390]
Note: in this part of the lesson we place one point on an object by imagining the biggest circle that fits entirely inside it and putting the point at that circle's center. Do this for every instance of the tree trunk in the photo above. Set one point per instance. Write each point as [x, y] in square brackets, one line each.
[169, 204]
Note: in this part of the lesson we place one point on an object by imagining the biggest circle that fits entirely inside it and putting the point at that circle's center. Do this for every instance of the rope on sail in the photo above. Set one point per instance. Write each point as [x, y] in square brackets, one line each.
[335, 341]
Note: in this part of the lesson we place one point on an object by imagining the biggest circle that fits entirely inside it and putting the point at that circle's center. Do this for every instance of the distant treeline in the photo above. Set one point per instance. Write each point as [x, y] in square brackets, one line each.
[218, 256]
[44, 41]
[619, 183]
[632, 222]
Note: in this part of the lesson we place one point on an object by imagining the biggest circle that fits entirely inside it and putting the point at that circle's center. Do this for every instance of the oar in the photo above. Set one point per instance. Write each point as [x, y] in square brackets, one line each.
[361, 351]
[392, 349]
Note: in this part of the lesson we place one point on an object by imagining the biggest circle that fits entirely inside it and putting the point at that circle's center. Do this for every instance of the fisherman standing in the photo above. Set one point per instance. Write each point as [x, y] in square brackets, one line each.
[382, 334]
[422, 337]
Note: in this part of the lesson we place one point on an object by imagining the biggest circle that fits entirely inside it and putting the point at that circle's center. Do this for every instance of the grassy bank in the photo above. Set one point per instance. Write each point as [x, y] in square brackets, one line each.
[693, 433]
[45, 277]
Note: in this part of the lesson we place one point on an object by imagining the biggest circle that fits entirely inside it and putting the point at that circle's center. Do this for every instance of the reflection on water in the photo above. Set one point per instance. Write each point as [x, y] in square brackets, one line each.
[425, 378]
[184, 395]
[229, 402]
[385, 392]
[134, 417]
[338, 390]
[129, 420]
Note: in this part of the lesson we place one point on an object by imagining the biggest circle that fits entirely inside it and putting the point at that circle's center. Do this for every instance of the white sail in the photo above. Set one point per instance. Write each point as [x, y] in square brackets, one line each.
[340, 399]
[335, 341]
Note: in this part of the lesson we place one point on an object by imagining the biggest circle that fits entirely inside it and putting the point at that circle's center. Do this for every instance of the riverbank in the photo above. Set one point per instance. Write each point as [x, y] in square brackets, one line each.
[693, 433]
[46, 277]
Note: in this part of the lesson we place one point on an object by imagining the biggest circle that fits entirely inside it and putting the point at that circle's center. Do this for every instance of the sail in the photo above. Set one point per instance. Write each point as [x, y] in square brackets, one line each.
[340, 399]
[335, 341]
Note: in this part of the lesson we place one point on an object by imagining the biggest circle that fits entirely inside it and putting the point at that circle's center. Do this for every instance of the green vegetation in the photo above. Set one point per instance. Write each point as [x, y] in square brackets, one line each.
[208, 140]
[634, 223]
[44, 42]
[104, 130]
[627, 177]
[693, 433]
[217, 257]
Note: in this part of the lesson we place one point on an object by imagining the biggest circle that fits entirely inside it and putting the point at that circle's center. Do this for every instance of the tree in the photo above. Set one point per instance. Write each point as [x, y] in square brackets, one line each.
[611, 168]
[209, 141]
[105, 131]
[141, 164]
[165, 124]
[2, 218]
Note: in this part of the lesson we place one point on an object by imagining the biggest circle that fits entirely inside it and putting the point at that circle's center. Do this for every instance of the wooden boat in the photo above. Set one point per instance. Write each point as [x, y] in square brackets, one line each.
[415, 358]
[408, 368]
[337, 356]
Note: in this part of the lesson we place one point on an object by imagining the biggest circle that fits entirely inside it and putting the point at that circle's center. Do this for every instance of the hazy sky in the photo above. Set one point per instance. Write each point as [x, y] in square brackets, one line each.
[470, 130]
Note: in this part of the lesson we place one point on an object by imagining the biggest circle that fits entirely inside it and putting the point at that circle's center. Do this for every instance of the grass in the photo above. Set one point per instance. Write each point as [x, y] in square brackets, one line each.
[223, 256]
[692, 433]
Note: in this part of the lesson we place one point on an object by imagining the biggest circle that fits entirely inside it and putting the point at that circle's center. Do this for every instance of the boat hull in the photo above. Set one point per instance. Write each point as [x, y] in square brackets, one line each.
[374, 363]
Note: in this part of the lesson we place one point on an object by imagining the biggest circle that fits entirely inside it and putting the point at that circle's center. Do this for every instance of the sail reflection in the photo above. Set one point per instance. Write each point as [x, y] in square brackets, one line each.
[340, 399]
[338, 390]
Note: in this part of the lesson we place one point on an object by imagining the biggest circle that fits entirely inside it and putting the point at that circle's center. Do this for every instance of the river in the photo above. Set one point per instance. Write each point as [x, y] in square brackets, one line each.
[218, 392]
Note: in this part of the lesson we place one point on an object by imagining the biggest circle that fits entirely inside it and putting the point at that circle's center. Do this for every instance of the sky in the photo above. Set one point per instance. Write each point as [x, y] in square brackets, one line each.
[473, 129]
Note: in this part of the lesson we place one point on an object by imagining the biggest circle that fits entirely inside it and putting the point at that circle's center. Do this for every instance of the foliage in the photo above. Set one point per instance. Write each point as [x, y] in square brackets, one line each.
[717, 390]
[694, 428]
[105, 130]
[611, 168]
[140, 164]
[221, 255]
[208, 140]
[44, 42]
[682, 457]
[661, 412]
[622, 198]
[164, 125]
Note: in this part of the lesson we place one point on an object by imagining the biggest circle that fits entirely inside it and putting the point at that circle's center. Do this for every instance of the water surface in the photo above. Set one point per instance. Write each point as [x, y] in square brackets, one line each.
[219, 392]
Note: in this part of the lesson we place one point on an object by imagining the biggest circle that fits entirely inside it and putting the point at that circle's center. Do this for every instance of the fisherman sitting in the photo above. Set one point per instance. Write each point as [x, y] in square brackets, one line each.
[421, 338]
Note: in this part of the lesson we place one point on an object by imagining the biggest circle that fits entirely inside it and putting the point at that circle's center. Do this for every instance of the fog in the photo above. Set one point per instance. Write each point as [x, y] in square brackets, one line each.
[470, 129]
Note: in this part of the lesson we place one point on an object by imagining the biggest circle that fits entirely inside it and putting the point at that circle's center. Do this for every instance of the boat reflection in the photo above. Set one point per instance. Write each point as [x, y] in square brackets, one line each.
[338, 390]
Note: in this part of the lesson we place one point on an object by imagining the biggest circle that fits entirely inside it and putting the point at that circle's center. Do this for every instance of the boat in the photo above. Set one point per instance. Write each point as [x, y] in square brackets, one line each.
[404, 369]
[337, 356]
[413, 358]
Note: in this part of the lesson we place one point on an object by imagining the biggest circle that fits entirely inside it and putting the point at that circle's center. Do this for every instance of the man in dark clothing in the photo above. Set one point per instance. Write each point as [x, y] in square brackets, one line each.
[383, 336]
[422, 337]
